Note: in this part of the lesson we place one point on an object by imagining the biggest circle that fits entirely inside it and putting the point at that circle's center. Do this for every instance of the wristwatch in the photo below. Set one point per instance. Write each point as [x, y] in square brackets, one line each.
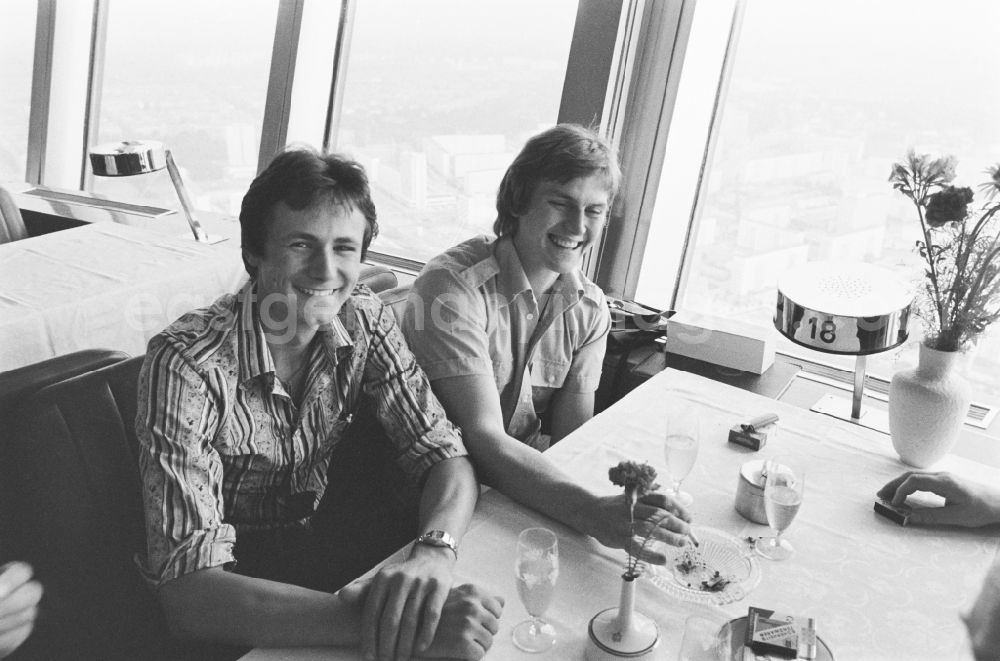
[439, 538]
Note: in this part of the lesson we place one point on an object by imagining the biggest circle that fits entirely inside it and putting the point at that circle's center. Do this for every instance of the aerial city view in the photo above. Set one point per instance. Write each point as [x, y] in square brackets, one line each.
[797, 172]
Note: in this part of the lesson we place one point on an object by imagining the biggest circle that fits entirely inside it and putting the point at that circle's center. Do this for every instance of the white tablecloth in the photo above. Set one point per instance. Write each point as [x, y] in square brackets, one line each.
[104, 285]
[878, 591]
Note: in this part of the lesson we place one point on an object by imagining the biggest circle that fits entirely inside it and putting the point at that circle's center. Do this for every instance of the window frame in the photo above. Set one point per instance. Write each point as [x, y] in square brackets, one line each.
[65, 73]
[616, 45]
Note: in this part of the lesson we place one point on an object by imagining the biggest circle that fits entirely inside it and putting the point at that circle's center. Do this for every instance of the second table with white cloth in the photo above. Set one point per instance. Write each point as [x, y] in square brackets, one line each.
[104, 285]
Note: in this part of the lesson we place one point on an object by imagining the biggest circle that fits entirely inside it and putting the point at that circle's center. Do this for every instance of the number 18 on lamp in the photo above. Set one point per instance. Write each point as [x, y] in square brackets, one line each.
[851, 309]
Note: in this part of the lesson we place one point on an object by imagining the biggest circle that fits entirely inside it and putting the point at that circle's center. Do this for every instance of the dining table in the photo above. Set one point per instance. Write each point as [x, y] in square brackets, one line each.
[104, 285]
[876, 590]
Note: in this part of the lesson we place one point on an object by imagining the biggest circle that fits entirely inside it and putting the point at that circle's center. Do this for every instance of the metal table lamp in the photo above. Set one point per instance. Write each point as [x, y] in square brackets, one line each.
[844, 308]
[124, 159]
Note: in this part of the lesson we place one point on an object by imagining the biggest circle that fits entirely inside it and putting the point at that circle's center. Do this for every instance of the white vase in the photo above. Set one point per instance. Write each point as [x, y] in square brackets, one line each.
[623, 632]
[927, 406]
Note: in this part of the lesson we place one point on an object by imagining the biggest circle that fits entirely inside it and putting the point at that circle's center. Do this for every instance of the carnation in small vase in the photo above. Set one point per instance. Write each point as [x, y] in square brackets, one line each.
[637, 480]
[623, 632]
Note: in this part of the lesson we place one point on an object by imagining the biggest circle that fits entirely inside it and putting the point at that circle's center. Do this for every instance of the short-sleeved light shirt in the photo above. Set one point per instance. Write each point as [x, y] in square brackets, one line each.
[472, 312]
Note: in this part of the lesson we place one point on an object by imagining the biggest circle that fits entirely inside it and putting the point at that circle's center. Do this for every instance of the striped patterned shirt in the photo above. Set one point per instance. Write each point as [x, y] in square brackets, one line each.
[223, 448]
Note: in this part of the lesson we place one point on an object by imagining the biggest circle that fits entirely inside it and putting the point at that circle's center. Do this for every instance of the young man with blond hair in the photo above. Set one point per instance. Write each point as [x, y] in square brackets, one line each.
[510, 331]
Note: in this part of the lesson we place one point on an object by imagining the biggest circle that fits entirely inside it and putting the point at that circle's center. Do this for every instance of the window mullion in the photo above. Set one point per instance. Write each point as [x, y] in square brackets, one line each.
[279, 86]
[341, 57]
[59, 93]
[655, 78]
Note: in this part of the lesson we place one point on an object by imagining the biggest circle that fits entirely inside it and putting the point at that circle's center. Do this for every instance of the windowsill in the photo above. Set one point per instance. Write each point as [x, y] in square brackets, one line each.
[975, 444]
[46, 209]
[785, 382]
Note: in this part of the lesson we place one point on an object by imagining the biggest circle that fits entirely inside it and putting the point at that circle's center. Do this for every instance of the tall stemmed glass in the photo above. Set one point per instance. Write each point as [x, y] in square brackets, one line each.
[783, 491]
[680, 448]
[536, 571]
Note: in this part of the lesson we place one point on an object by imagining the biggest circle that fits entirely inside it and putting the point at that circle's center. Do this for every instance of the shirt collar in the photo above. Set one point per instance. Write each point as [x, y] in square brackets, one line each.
[254, 356]
[512, 280]
[336, 338]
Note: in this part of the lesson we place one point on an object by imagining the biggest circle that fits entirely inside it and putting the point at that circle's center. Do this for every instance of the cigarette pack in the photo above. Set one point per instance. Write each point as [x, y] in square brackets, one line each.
[898, 513]
[780, 635]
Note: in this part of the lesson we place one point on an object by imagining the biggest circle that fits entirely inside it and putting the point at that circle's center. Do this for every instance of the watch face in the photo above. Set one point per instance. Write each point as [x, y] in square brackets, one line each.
[438, 538]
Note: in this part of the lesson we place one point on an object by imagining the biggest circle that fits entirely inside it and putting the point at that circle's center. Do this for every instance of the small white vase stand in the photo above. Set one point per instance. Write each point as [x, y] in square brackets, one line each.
[623, 632]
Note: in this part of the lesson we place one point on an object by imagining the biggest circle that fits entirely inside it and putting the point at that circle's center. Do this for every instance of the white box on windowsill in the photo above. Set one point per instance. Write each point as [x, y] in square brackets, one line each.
[721, 341]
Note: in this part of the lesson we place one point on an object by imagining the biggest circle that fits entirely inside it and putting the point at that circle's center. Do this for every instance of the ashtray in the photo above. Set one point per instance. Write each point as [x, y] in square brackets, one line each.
[721, 570]
[736, 631]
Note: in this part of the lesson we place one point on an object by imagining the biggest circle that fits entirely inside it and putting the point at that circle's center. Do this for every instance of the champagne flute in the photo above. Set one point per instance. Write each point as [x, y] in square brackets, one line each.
[536, 570]
[680, 449]
[783, 491]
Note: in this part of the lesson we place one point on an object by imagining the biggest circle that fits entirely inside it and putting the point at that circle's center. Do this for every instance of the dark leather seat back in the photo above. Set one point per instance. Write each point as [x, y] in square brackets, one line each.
[78, 514]
[22, 382]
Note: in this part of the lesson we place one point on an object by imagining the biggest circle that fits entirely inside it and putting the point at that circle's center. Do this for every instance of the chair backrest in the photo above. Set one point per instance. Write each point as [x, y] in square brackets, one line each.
[395, 299]
[23, 381]
[378, 278]
[11, 223]
[18, 384]
[78, 519]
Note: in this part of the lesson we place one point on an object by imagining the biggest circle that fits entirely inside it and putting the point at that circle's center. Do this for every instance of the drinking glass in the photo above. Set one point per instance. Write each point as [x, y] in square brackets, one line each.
[536, 570]
[680, 448]
[704, 640]
[783, 490]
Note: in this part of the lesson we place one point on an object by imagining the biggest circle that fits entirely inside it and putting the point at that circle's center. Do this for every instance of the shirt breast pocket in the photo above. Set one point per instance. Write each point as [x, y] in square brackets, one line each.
[549, 373]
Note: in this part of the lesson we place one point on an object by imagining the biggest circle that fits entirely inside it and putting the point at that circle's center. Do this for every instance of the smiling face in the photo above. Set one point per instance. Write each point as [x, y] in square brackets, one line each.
[308, 269]
[561, 221]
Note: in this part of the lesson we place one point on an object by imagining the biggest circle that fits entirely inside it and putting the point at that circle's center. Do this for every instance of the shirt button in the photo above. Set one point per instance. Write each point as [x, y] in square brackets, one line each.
[530, 315]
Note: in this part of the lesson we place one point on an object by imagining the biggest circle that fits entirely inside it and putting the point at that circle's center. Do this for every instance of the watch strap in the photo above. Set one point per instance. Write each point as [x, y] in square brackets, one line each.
[439, 538]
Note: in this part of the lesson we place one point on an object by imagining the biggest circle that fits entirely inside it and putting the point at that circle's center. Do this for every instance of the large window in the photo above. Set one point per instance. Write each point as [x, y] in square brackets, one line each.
[193, 75]
[17, 47]
[439, 96]
[820, 100]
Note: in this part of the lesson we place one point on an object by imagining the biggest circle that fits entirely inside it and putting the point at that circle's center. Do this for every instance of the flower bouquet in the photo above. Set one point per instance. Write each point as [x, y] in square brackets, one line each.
[959, 298]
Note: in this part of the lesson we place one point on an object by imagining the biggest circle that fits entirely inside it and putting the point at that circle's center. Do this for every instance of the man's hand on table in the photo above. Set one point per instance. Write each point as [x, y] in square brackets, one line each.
[656, 515]
[467, 621]
[19, 597]
[470, 619]
[404, 604]
[968, 504]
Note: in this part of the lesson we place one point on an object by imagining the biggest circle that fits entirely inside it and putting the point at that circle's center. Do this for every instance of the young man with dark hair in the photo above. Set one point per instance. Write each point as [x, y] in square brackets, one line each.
[509, 329]
[240, 407]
